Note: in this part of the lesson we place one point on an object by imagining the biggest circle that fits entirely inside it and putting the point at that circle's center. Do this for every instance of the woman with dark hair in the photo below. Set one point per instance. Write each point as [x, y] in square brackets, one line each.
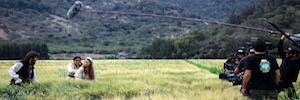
[73, 67]
[87, 71]
[23, 71]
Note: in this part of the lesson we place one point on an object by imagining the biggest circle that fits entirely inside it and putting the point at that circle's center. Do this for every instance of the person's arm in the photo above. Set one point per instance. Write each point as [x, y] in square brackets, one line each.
[34, 79]
[78, 74]
[277, 75]
[71, 68]
[246, 78]
[240, 66]
[13, 72]
[280, 47]
[237, 70]
[277, 71]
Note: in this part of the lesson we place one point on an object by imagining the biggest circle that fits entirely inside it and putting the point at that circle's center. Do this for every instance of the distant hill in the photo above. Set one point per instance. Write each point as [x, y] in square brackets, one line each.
[221, 41]
[45, 20]
[214, 9]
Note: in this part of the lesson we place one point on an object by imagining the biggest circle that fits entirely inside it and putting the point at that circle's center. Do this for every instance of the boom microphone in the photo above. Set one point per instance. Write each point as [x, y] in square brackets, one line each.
[74, 9]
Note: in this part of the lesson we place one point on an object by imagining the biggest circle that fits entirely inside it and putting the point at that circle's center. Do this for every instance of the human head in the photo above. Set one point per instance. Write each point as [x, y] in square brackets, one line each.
[77, 61]
[88, 67]
[259, 45]
[291, 53]
[32, 57]
[240, 53]
[88, 61]
[251, 52]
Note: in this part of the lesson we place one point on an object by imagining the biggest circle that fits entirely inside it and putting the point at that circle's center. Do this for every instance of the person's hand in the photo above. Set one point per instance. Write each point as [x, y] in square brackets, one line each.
[244, 91]
[20, 84]
[226, 71]
[282, 37]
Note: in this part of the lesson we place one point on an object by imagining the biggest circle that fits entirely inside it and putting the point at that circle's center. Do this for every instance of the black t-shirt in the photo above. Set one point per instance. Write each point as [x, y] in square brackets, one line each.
[262, 68]
[289, 69]
[242, 63]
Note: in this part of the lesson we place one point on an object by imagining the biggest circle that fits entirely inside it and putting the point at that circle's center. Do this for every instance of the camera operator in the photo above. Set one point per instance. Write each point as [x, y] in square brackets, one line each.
[231, 64]
[239, 70]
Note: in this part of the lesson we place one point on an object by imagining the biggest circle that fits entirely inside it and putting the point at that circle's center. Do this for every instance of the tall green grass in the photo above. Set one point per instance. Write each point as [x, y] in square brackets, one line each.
[215, 69]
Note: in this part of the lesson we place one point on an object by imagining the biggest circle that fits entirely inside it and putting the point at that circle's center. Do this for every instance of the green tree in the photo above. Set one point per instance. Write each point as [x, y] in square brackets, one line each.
[222, 53]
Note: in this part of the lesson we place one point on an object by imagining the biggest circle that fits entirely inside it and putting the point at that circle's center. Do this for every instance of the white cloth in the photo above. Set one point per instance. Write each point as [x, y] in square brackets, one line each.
[13, 73]
[72, 68]
[90, 58]
[79, 75]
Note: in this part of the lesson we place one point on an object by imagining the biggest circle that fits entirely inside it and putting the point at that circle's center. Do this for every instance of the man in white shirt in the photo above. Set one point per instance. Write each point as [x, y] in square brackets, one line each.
[23, 71]
[73, 67]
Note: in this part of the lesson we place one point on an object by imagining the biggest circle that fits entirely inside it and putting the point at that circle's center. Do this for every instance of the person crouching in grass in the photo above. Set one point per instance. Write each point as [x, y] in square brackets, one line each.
[73, 67]
[87, 71]
[23, 71]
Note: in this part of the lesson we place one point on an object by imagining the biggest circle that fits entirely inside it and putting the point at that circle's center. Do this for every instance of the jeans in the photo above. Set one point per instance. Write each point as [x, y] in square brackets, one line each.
[263, 94]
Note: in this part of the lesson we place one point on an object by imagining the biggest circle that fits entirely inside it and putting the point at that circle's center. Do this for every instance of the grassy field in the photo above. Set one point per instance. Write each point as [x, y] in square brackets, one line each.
[126, 79]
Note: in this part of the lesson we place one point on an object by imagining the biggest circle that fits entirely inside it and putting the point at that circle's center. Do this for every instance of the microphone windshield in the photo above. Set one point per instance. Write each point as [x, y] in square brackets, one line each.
[74, 9]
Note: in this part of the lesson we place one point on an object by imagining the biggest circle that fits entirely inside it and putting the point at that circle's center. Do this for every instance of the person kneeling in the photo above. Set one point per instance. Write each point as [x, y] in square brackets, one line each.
[23, 71]
[73, 67]
[87, 71]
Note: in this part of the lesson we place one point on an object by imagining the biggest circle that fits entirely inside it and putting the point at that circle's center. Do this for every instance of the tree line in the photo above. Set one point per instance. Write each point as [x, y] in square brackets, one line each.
[193, 45]
[18, 50]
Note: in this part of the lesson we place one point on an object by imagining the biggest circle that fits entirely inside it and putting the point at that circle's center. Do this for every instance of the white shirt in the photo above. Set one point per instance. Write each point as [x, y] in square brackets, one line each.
[13, 73]
[72, 68]
[79, 75]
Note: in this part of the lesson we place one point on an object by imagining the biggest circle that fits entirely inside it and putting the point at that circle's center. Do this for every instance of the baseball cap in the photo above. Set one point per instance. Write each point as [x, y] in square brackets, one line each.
[240, 51]
[291, 50]
[251, 50]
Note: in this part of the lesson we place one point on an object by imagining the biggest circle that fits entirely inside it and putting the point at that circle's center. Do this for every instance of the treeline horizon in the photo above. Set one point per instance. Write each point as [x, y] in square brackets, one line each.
[18, 50]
